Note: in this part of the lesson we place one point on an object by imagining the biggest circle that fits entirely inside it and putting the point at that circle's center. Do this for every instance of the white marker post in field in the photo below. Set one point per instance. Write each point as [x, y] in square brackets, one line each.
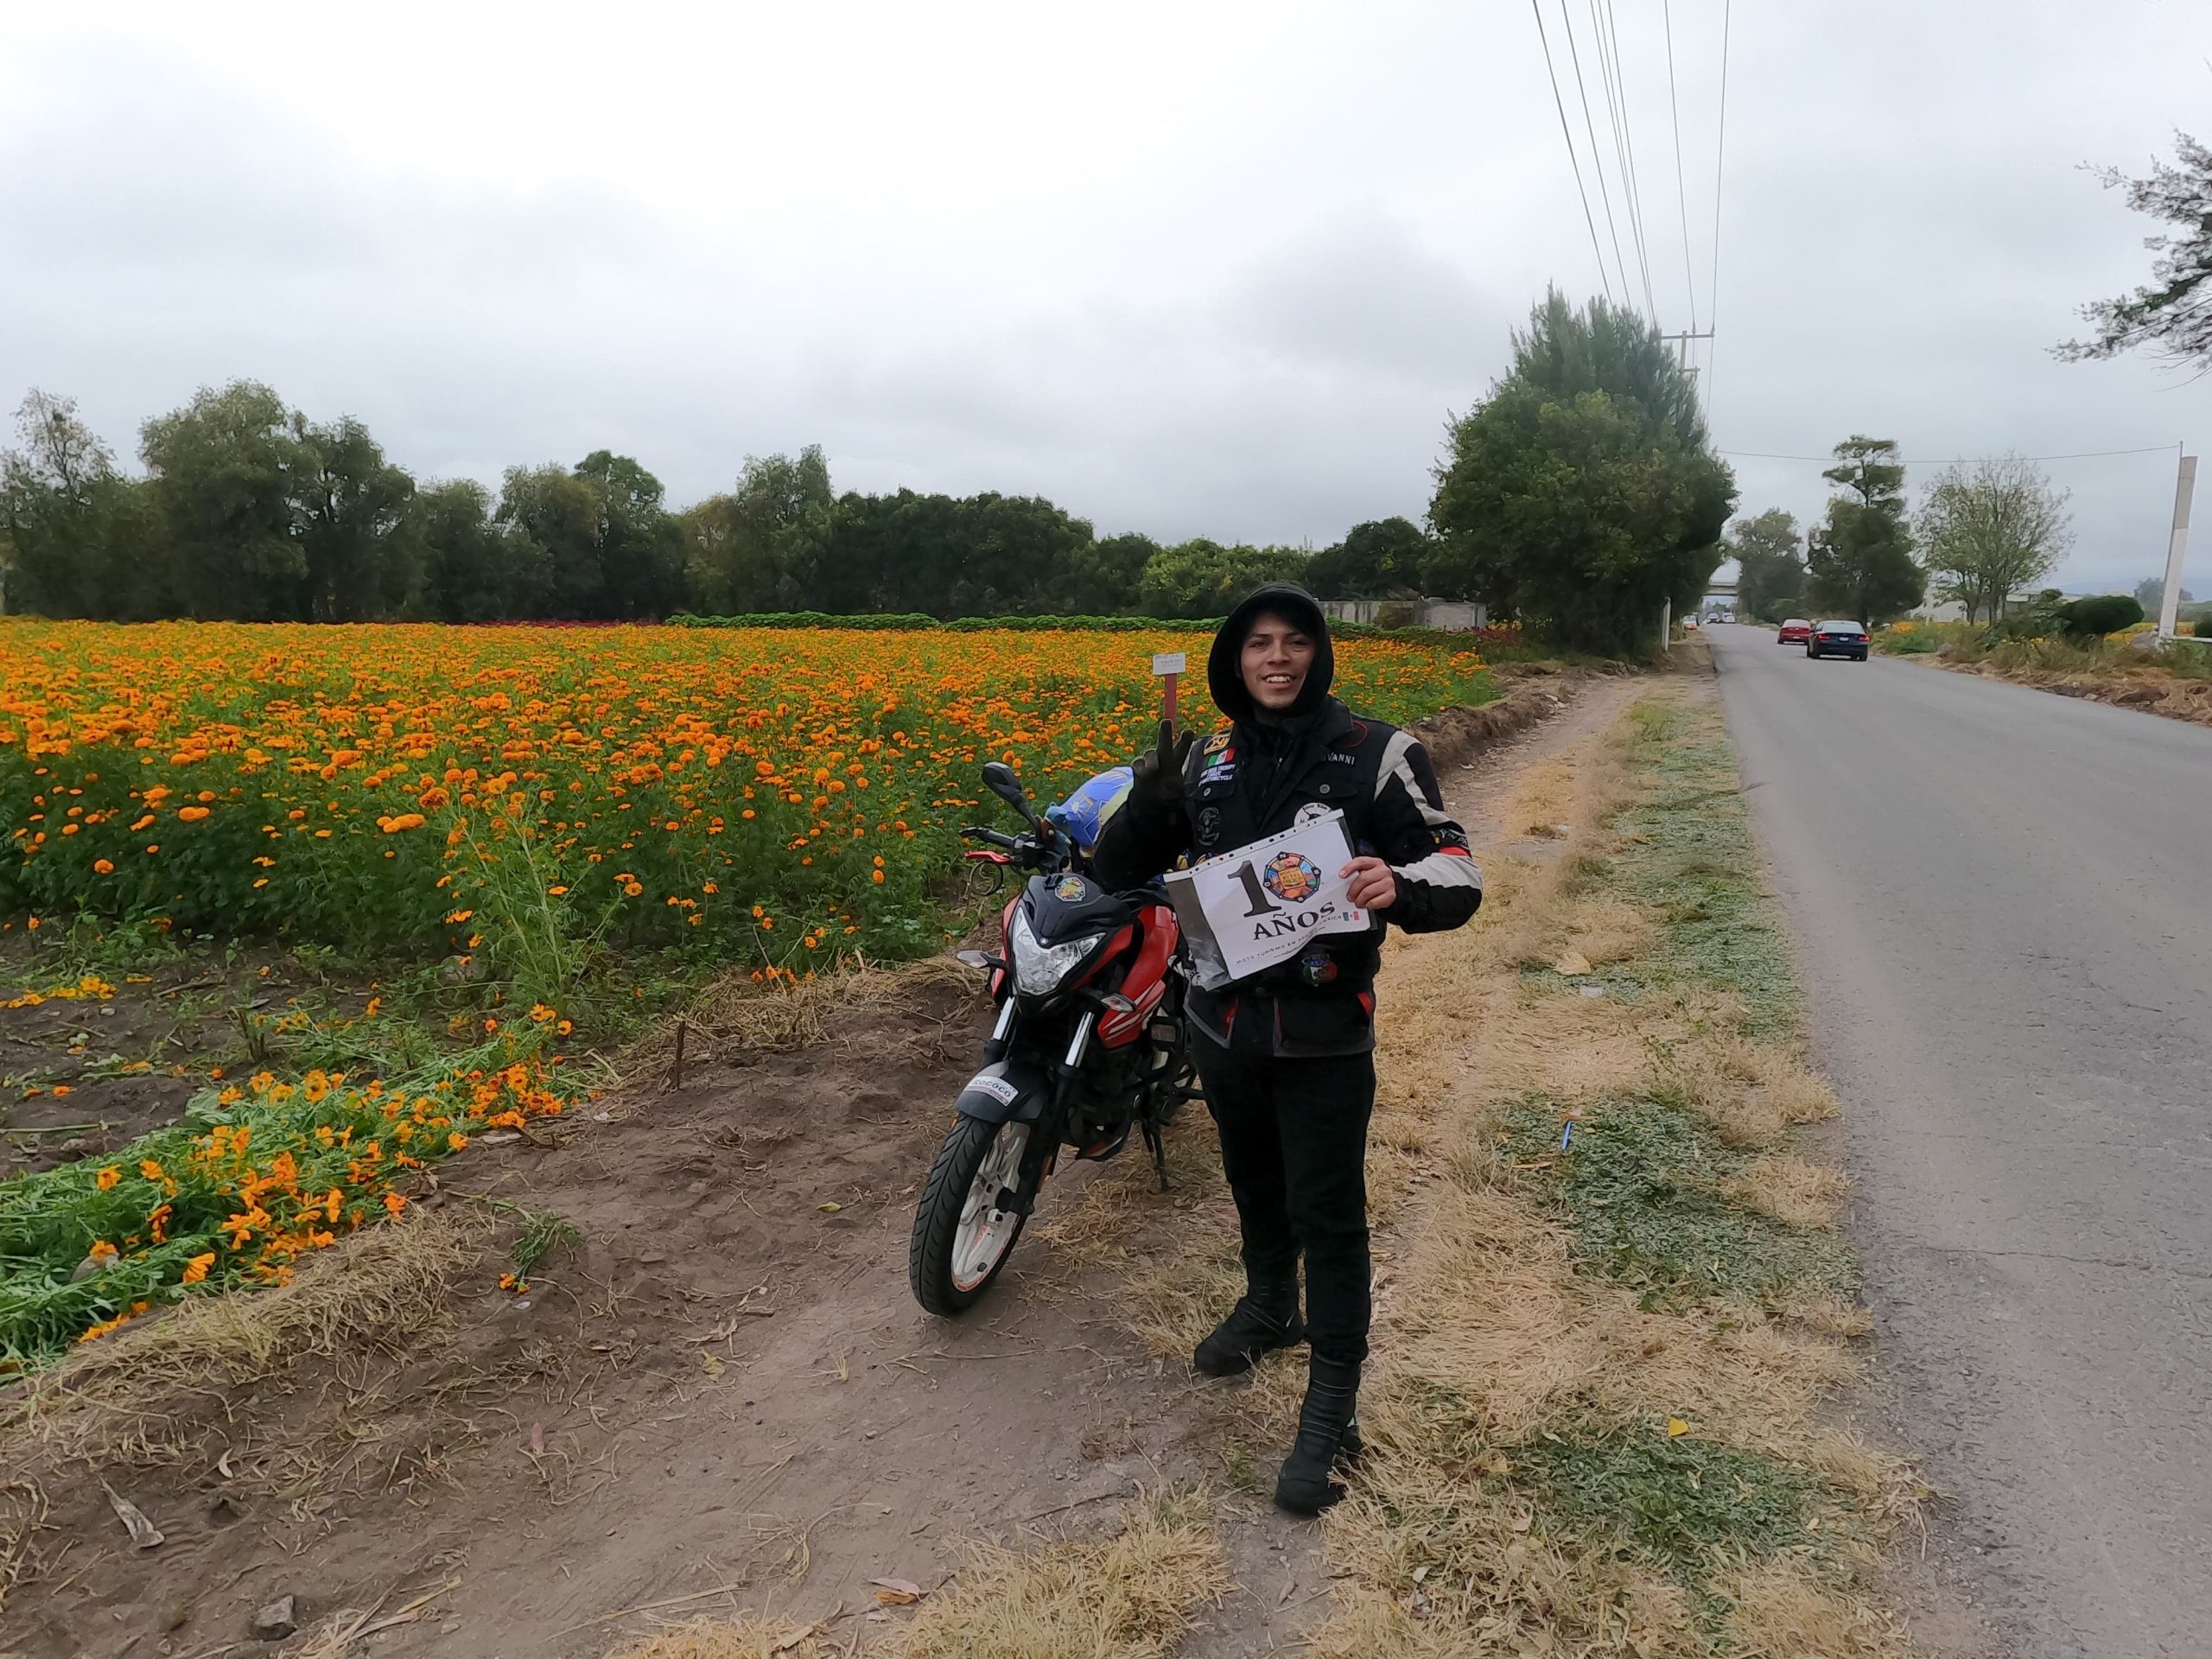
[1167, 664]
[2169, 603]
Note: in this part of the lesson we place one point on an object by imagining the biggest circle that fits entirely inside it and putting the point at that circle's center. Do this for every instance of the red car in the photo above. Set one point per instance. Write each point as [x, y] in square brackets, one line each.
[1795, 631]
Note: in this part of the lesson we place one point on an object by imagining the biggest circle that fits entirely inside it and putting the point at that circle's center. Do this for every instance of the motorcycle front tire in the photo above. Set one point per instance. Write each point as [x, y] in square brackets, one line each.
[960, 1245]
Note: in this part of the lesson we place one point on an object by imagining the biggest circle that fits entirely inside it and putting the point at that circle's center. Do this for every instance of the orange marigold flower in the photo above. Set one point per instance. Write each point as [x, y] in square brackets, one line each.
[394, 1203]
[102, 867]
[192, 814]
[196, 1269]
[108, 1176]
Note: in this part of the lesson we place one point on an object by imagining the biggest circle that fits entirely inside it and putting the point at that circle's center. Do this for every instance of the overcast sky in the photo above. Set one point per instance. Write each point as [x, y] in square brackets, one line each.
[1217, 270]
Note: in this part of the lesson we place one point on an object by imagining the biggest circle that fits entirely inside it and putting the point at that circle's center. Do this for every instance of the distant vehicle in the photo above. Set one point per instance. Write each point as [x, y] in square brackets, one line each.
[1837, 640]
[1795, 631]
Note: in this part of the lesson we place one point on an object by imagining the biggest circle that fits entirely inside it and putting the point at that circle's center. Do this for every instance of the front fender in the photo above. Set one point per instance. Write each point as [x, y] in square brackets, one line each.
[1013, 1090]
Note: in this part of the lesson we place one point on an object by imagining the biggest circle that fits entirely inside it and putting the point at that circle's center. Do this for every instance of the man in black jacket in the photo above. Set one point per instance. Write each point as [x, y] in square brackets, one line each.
[1287, 1055]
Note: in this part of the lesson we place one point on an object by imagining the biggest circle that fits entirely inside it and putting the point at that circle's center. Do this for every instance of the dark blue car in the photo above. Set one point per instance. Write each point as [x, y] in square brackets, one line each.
[1837, 640]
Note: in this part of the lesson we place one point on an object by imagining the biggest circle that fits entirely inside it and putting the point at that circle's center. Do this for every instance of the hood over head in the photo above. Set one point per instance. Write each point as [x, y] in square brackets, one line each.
[1224, 663]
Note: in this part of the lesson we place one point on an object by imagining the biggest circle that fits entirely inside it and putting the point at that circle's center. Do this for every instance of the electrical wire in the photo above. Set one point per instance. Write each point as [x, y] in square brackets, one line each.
[1720, 164]
[1681, 190]
[1625, 139]
[1597, 162]
[1588, 218]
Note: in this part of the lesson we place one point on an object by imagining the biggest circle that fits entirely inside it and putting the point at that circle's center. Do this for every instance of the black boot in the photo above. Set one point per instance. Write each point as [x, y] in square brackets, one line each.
[1264, 1318]
[1327, 1431]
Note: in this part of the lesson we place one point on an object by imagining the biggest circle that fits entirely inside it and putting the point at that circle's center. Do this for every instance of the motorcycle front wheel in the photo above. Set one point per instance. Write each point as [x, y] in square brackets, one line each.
[962, 1238]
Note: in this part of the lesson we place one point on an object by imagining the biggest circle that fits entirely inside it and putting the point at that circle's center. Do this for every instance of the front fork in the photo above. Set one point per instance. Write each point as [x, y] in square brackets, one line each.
[1043, 1149]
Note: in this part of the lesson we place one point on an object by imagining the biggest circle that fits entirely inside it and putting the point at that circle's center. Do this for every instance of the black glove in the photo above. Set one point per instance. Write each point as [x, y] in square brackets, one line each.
[1158, 779]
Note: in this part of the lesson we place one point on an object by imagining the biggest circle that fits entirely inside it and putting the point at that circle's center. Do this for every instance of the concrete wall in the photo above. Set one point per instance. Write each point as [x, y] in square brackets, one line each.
[1407, 613]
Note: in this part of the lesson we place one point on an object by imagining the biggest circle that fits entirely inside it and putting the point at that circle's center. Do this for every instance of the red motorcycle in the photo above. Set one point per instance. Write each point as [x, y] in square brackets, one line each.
[1089, 1044]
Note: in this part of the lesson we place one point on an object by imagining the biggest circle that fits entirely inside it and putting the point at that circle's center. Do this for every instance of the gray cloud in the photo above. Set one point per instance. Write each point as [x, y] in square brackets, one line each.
[1223, 276]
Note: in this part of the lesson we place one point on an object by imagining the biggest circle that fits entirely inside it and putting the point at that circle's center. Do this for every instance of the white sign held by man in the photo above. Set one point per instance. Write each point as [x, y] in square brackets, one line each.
[1246, 911]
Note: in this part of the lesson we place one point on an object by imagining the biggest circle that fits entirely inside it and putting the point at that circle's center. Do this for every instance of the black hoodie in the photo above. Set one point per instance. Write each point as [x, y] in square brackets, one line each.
[1226, 662]
[1254, 780]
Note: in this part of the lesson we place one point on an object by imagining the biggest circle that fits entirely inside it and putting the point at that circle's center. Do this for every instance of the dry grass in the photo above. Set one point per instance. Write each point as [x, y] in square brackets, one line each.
[1129, 1595]
[154, 1392]
[1781, 1612]
[1788, 1188]
[1489, 1341]
[733, 1017]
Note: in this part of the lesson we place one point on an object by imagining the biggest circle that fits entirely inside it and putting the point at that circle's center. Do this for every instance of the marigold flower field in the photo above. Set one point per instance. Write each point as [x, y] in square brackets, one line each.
[536, 793]
[531, 799]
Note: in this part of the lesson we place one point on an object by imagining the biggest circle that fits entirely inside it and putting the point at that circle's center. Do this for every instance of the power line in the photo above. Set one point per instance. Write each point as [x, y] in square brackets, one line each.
[1597, 162]
[1720, 162]
[1681, 191]
[1624, 138]
[1572, 160]
[1958, 461]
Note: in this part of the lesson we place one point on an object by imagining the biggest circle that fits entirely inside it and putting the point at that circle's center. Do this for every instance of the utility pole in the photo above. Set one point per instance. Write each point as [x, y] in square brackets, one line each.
[2169, 604]
[1683, 345]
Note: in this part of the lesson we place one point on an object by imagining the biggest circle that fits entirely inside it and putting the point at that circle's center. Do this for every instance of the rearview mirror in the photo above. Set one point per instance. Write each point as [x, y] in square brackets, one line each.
[998, 778]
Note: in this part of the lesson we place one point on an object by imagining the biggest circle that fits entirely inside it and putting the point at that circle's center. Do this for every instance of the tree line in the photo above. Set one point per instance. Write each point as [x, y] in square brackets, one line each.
[1580, 496]
[247, 509]
[1987, 535]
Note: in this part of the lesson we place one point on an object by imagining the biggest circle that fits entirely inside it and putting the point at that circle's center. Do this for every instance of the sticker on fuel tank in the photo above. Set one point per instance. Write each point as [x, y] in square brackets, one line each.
[1072, 890]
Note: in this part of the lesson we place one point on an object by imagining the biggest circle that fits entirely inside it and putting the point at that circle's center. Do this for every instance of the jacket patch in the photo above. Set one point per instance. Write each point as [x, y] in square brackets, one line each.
[1219, 743]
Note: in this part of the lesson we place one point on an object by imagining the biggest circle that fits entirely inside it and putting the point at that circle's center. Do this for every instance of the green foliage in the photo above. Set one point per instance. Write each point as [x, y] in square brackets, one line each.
[1771, 583]
[1917, 639]
[543, 1233]
[2168, 315]
[1583, 494]
[223, 468]
[74, 530]
[1681, 1501]
[1638, 1188]
[2098, 614]
[1990, 528]
[1385, 559]
[906, 623]
[1202, 578]
[1860, 564]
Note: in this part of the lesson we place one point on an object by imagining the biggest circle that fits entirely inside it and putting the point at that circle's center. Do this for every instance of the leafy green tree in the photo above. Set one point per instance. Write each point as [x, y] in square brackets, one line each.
[1990, 529]
[639, 545]
[473, 569]
[1860, 564]
[740, 548]
[1383, 558]
[1200, 578]
[2173, 314]
[1583, 494]
[561, 513]
[1105, 578]
[225, 468]
[361, 564]
[74, 530]
[1771, 572]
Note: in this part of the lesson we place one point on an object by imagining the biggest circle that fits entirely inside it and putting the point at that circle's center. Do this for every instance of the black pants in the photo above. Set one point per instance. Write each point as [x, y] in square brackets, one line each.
[1293, 1146]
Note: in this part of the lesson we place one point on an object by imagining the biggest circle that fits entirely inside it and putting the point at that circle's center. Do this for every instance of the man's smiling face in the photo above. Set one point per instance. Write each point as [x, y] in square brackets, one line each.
[1277, 656]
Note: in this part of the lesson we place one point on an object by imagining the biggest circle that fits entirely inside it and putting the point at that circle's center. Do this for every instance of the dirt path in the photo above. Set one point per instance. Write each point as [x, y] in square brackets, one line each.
[724, 1397]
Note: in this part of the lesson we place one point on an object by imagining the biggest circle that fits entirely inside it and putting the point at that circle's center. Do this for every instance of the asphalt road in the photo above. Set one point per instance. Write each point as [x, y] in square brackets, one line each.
[2003, 899]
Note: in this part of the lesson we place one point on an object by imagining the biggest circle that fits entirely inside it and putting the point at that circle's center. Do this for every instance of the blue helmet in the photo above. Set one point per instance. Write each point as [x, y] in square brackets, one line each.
[1083, 814]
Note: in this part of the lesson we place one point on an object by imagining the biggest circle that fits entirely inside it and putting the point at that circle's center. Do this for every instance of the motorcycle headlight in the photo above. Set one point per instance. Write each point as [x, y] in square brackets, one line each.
[1039, 969]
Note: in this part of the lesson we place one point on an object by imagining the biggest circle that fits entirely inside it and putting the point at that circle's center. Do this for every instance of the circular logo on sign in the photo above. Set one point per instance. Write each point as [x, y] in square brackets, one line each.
[1292, 877]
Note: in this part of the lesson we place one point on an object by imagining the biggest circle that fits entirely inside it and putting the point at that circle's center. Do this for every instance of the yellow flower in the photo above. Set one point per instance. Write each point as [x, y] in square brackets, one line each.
[108, 1176]
[196, 1269]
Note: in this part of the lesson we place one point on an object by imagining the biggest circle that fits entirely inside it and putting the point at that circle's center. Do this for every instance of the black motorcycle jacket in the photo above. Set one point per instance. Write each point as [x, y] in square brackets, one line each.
[1256, 778]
